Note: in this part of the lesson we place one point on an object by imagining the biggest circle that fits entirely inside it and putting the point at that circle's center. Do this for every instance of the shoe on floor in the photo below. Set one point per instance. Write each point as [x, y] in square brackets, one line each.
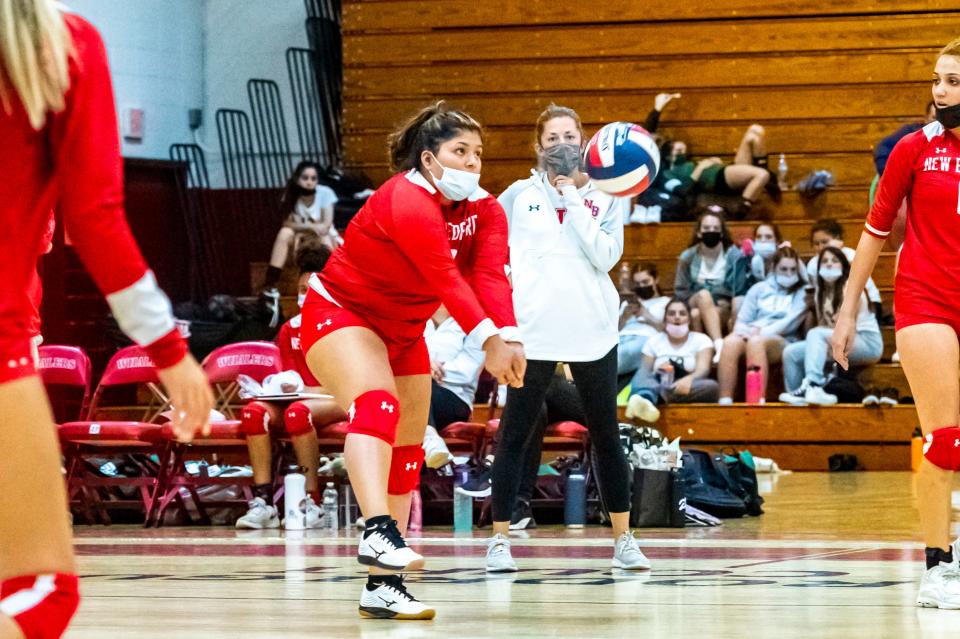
[522, 518]
[435, 451]
[389, 599]
[627, 554]
[384, 547]
[797, 397]
[816, 396]
[639, 407]
[499, 558]
[259, 516]
[940, 587]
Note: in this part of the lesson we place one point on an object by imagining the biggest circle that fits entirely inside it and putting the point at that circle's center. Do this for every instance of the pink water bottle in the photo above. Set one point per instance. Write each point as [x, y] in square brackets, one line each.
[416, 512]
[754, 385]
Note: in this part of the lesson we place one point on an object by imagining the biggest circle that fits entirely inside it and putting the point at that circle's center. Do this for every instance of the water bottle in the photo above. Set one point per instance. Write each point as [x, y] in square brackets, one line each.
[462, 505]
[626, 278]
[782, 172]
[754, 386]
[415, 523]
[330, 520]
[666, 381]
[295, 498]
[575, 499]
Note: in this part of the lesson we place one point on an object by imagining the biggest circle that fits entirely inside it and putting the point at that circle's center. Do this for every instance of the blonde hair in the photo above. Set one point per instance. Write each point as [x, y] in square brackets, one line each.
[952, 49]
[34, 47]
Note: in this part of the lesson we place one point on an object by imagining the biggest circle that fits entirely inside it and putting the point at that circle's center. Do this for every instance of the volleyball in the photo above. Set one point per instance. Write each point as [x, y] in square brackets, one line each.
[622, 159]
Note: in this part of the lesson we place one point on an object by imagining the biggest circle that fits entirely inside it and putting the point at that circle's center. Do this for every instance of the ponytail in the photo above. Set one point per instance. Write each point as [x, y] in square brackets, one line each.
[426, 131]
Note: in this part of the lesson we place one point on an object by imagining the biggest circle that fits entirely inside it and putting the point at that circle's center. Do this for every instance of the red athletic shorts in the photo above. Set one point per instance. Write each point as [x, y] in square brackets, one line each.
[17, 359]
[406, 348]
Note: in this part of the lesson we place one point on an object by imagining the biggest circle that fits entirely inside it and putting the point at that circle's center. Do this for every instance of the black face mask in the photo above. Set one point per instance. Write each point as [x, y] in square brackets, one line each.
[644, 292]
[949, 116]
[710, 238]
[305, 192]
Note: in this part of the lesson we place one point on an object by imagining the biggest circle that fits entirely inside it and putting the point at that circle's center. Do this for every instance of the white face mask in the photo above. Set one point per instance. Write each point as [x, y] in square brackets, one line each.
[455, 184]
[765, 249]
[677, 331]
[830, 274]
[300, 299]
[786, 281]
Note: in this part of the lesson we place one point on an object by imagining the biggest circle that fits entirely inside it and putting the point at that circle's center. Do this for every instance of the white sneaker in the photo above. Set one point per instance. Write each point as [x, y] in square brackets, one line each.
[499, 558]
[639, 214]
[895, 358]
[435, 451]
[259, 516]
[819, 397]
[639, 407]
[725, 401]
[627, 554]
[717, 347]
[654, 214]
[314, 513]
[940, 588]
[383, 546]
[390, 600]
[797, 397]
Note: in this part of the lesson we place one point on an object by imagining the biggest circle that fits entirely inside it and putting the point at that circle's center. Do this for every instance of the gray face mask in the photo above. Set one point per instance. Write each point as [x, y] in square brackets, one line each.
[562, 159]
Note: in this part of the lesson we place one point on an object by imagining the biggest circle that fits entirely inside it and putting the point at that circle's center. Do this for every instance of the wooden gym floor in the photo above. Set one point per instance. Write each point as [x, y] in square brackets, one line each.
[834, 556]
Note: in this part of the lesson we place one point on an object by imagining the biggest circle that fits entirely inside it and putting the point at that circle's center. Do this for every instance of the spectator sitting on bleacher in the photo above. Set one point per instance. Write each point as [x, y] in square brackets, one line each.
[307, 209]
[804, 363]
[297, 418]
[455, 364]
[829, 232]
[640, 317]
[710, 273]
[772, 315]
[766, 240]
[690, 355]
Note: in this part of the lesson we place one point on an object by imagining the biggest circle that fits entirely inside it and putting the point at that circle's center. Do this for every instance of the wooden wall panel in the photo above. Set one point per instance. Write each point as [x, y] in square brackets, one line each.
[417, 15]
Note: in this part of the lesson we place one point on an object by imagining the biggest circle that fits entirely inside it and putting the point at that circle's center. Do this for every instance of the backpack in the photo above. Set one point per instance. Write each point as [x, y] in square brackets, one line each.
[708, 486]
[743, 475]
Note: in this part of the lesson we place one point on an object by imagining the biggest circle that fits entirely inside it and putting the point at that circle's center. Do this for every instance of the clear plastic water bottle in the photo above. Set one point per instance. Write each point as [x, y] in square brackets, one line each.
[575, 499]
[666, 374]
[331, 520]
[462, 505]
[782, 172]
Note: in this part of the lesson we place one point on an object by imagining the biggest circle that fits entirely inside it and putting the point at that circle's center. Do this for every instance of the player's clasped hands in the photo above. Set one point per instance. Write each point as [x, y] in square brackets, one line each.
[505, 360]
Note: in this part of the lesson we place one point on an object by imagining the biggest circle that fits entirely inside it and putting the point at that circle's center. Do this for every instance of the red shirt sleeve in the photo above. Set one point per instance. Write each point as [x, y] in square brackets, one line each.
[489, 257]
[895, 184]
[417, 226]
[85, 147]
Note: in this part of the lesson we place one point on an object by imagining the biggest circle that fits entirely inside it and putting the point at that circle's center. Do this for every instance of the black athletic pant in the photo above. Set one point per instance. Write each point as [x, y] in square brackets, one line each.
[446, 408]
[597, 386]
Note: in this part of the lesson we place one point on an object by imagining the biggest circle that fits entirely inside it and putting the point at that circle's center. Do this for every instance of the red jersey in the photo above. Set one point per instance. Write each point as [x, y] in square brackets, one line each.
[405, 253]
[73, 165]
[924, 168]
[291, 355]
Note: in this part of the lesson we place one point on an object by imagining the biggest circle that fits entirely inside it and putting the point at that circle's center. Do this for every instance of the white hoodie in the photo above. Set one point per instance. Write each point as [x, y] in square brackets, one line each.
[565, 301]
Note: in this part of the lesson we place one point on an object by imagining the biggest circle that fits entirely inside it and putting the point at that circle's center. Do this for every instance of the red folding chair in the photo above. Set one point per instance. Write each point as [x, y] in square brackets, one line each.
[67, 366]
[226, 438]
[128, 439]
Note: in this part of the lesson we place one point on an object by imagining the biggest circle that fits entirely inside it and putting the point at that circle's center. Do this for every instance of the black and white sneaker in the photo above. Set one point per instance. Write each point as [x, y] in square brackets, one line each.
[383, 546]
[478, 483]
[389, 599]
[797, 397]
[889, 397]
[522, 518]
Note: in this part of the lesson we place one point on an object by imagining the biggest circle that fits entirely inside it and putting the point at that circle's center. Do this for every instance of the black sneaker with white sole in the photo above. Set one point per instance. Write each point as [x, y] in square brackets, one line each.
[478, 483]
[383, 546]
[522, 518]
[387, 598]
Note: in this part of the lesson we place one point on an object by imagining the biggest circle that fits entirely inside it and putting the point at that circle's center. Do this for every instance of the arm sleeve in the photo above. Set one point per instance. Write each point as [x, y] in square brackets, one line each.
[487, 276]
[790, 323]
[681, 280]
[507, 197]
[894, 186]
[652, 121]
[600, 238]
[748, 310]
[417, 227]
[85, 145]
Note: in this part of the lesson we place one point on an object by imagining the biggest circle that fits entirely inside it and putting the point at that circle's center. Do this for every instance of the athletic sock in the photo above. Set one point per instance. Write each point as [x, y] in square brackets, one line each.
[375, 522]
[936, 556]
[761, 161]
[264, 492]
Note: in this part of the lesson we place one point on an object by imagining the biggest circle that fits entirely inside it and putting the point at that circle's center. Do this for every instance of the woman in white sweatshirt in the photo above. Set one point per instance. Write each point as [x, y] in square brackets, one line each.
[565, 236]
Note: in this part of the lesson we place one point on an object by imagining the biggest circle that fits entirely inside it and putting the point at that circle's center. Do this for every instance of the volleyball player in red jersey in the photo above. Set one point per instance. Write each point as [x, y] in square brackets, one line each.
[61, 151]
[924, 169]
[428, 235]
